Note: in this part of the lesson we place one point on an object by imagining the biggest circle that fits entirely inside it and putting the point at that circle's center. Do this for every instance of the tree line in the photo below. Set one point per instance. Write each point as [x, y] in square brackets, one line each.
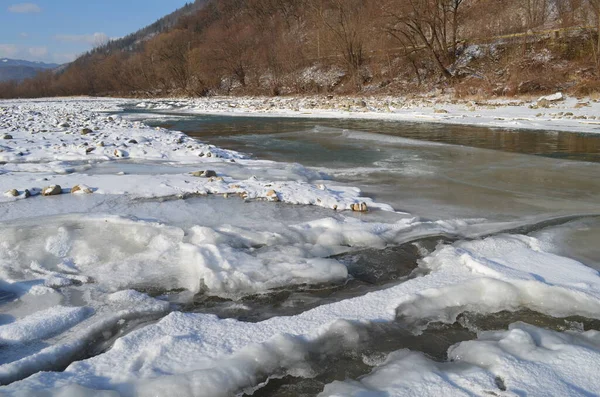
[277, 47]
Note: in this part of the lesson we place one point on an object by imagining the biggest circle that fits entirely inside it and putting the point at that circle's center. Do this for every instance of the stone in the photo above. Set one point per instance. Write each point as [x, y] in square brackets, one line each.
[132, 141]
[100, 144]
[272, 195]
[543, 103]
[7, 136]
[12, 193]
[205, 174]
[81, 189]
[440, 111]
[89, 150]
[359, 207]
[553, 98]
[53, 190]
[120, 153]
[86, 131]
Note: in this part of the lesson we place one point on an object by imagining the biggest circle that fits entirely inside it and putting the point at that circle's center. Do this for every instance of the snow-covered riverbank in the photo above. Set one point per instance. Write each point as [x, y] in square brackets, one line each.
[94, 284]
[551, 113]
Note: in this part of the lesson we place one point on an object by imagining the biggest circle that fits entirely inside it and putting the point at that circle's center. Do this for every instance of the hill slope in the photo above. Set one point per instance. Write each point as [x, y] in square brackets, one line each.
[132, 41]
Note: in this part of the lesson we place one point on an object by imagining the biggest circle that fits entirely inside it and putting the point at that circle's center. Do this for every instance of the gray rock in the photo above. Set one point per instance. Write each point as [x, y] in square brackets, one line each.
[120, 153]
[12, 192]
[81, 189]
[272, 195]
[86, 131]
[53, 190]
[359, 207]
[204, 174]
[7, 136]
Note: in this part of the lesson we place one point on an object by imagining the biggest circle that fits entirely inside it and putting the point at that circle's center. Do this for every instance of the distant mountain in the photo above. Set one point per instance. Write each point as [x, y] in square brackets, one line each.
[19, 70]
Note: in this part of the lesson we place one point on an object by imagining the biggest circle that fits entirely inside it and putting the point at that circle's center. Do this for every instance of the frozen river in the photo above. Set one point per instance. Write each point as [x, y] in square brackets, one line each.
[474, 271]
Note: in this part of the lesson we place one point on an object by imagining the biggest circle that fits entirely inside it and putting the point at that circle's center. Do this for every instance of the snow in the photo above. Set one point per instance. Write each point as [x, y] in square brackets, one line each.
[553, 98]
[560, 115]
[524, 359]
[151, 234]
[203, 355]
[53, 140]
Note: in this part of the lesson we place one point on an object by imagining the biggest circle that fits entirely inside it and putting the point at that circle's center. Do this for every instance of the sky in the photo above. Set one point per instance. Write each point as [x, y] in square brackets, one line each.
[57, 31]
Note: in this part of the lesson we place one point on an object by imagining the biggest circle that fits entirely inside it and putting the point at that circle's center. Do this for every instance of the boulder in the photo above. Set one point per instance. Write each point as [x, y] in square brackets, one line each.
[81, 189]
[553, 98]
[53, 190]
[120, 153]
[12, 193]
[7, 136]
[204, 174]
[272, 195]
[359, 207]
[86, 131]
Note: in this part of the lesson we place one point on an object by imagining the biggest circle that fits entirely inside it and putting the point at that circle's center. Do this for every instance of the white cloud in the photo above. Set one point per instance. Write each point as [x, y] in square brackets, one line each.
[29, 53]
[24, 35]
[24, 8]
[38, 52]
[95, 39]
[8, 50]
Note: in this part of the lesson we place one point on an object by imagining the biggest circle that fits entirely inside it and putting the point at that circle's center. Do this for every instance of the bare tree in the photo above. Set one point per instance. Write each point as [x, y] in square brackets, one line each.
[595, 4]
[431, 25]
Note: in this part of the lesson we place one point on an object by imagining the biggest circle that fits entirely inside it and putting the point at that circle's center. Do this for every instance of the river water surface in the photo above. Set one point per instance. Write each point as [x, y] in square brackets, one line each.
[432, 171]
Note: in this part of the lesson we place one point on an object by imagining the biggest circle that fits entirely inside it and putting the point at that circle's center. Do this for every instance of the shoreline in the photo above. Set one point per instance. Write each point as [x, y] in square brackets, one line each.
[565, 115]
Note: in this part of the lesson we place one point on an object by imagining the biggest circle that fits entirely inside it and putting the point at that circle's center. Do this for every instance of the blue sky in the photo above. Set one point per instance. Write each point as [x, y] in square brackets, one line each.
[60, 30]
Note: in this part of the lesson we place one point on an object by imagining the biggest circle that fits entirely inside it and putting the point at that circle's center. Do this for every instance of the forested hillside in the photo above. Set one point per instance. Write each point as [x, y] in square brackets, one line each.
[278, 47]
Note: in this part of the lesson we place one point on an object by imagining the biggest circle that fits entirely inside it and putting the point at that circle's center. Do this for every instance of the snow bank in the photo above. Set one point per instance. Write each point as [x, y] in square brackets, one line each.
[201, 353]
[523, 360]
[60, 142]
[559, 113]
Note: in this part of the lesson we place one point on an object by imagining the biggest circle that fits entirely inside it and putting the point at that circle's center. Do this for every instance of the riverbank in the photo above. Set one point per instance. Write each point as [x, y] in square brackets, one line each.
[551, 113]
